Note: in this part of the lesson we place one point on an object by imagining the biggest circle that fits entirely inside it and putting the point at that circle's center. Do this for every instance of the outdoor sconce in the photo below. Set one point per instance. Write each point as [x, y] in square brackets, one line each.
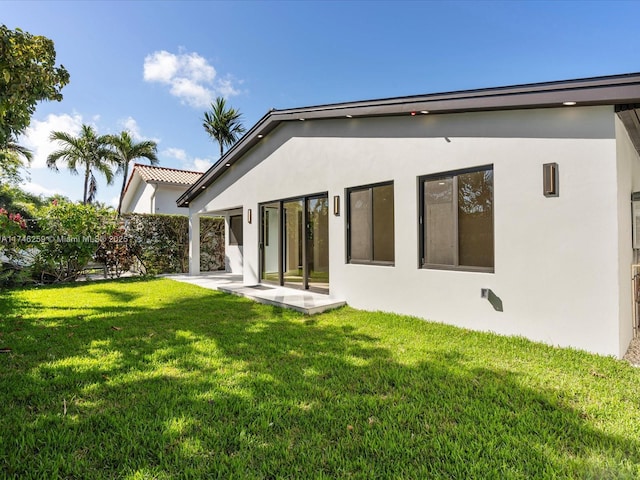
[550, 180]
[249, 215]
[336, 205]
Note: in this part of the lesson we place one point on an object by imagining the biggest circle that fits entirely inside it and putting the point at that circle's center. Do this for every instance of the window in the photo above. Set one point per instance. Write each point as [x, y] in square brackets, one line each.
[370, 237]
[456, 220]
[235, 230]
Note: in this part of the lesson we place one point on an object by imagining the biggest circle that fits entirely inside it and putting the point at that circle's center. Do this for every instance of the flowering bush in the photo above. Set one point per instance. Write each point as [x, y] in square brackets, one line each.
[11, 223]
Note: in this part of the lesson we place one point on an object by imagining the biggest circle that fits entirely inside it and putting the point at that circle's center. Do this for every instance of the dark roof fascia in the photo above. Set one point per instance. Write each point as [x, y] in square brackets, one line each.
[165, 183]
[243, 145]
[630, 117]
[609, 90]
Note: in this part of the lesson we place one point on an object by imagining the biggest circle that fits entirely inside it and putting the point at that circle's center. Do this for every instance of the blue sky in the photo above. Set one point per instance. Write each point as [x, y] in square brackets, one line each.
[152, 67]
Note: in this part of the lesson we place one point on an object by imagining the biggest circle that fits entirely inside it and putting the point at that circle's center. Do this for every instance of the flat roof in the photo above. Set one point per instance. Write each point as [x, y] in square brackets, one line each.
[622, 91]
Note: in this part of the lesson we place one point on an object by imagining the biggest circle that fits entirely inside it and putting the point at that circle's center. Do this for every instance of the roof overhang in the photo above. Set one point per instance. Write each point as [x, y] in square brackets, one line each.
[616, 90]
[630, 116]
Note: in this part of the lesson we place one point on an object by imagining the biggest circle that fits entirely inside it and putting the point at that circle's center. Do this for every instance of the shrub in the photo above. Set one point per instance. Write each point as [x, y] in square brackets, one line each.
[69, 237]
[162, 242]
[117, 252]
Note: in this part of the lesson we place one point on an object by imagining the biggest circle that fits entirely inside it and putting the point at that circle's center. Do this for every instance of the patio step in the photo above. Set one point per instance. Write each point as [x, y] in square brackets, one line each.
[302, 301]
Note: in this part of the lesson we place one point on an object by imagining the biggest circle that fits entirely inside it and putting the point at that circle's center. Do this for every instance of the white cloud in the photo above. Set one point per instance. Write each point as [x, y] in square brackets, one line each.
[37, 189]
[190, 77]
[160, 66]
[191, 92]
[114, 201]
[201, 164]
[132, 126]
[187, 163]
[176, 153]
[226, 89]
[36, 136]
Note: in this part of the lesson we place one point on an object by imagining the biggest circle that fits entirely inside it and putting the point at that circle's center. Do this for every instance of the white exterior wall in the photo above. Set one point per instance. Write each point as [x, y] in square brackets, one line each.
[154, 198]
[165, 200]
[557, 268]
[143, 199]
[233, 255]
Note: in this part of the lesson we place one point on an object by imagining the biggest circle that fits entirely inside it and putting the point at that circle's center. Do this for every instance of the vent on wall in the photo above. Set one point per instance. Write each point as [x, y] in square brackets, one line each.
[550, 180]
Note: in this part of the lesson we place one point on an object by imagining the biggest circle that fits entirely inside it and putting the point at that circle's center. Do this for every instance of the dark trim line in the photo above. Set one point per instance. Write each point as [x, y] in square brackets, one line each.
[608, 90]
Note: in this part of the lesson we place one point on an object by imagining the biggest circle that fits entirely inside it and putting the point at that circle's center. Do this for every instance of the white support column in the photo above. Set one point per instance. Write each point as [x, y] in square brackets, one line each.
[194, 244]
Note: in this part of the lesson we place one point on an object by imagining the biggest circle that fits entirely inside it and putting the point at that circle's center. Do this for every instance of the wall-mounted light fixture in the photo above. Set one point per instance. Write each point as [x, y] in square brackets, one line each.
[336, 205]
[550, 180]
[248, 215]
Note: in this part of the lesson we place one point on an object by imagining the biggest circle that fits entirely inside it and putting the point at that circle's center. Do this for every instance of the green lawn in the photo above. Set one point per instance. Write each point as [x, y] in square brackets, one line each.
[159, 379]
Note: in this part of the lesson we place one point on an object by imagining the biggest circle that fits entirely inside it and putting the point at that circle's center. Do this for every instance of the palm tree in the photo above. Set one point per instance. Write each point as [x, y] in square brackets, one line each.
[125, 151]
[223, 124]
[88, 149]
[13, 157]
[13, 148]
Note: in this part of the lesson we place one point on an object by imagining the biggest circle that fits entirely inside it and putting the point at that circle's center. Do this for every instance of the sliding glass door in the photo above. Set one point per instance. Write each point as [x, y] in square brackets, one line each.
[270, 240]
[293, 248]
[294, 243]
[317, 258]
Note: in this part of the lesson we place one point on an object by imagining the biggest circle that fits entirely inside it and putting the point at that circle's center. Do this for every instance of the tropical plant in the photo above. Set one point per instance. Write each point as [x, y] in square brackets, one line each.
[126, 151]
[13, 157]
[223, 124]
[27, 75]
[89, 150]
[69, 237]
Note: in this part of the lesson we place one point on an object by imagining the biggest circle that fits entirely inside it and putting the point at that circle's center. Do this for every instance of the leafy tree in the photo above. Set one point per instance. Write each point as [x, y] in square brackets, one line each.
[89, 150]
[28, 75]
[125, 151]
[223, 124]
[12, 158]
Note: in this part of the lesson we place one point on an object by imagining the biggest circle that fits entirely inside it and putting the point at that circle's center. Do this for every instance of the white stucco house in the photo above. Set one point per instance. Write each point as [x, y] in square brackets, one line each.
[155, 189]
[501, 209]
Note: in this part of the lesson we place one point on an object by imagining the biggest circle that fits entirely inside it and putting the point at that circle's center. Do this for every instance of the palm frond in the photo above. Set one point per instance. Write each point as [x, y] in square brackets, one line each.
[14, 147]
[125, 150]
[223, 124]
[89, 149]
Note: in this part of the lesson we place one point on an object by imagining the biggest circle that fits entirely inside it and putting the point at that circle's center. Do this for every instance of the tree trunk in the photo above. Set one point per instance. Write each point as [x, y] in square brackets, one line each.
[86, 185]
[124, 184]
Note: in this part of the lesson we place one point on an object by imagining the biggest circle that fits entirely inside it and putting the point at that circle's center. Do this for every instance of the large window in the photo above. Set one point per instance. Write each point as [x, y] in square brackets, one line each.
[235, 230]
[456, 220]
[370, 224]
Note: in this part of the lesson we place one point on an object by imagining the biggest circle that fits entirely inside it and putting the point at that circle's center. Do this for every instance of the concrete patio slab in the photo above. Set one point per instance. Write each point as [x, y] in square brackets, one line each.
[302, 301]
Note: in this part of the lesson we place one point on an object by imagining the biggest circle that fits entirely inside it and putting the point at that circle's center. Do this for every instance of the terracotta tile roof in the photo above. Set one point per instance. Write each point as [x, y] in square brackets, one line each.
[167, 175]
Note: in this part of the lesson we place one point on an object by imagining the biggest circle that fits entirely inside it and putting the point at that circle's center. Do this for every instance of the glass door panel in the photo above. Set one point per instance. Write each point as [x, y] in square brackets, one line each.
[317, 254]
[293, 251]
[294, 243]
[270, 242]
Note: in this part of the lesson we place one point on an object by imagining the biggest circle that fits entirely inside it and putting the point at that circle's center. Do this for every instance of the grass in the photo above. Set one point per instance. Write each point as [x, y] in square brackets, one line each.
[157, 379]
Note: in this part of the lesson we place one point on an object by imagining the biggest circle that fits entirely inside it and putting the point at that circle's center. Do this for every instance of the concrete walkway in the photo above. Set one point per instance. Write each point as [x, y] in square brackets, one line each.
[302, 301]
